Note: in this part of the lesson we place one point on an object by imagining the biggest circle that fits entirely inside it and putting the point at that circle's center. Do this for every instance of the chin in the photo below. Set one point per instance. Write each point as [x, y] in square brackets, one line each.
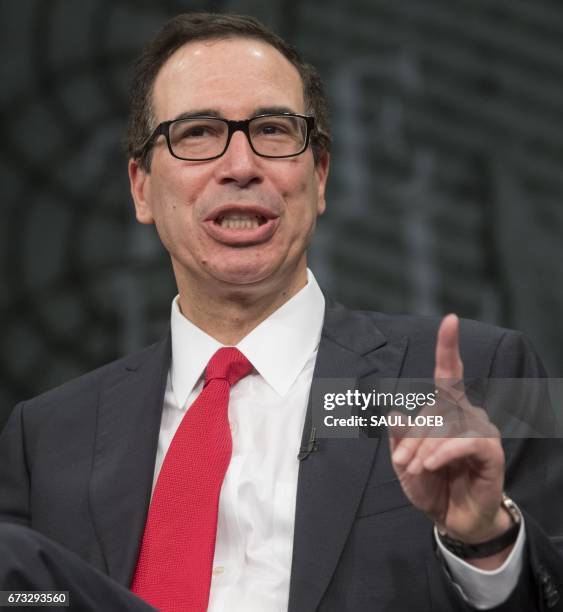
[243, 273]
[250, 272]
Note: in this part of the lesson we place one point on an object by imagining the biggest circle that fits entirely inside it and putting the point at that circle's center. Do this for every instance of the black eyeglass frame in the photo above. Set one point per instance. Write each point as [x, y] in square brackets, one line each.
[163, 129]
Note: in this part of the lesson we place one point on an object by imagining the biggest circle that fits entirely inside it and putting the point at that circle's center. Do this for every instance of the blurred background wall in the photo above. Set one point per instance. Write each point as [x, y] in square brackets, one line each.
[445, 192]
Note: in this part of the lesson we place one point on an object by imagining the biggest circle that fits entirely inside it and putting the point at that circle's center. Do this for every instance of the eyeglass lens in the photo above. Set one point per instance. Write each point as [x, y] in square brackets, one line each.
[276, 136]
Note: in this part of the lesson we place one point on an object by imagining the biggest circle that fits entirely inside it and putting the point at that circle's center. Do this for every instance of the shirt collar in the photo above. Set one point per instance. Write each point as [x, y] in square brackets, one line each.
[278, 348]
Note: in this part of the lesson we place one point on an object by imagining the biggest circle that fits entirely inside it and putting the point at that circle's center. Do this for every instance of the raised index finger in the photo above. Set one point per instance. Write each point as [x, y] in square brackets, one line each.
[463, 419]
[448, 372]
[449, 365]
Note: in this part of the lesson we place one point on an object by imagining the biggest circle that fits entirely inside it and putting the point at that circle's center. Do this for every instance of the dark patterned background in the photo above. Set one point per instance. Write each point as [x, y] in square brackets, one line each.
[446, 182]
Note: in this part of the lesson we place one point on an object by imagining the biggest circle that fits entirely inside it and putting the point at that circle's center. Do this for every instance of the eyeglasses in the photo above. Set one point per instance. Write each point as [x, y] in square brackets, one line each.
[205, 138]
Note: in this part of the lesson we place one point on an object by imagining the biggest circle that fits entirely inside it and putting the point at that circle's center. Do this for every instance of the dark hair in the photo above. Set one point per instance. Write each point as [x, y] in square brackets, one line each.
[204, 26]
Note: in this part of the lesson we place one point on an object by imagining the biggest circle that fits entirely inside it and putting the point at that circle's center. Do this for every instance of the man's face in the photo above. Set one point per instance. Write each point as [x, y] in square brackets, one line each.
[193, 203]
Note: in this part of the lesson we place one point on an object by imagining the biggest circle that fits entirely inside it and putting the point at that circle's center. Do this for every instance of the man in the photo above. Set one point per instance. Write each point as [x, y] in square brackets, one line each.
[229, 157]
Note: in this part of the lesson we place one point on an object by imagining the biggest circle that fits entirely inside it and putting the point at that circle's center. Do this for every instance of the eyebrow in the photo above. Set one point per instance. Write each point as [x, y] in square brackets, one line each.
[273, 110]
[210, 112]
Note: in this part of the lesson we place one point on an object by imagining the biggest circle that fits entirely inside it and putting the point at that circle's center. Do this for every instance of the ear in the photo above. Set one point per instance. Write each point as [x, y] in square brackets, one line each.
[321, 170]
[139, 180]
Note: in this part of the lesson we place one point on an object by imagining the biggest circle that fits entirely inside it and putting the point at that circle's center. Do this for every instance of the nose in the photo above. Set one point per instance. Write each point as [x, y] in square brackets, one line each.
[239, 164]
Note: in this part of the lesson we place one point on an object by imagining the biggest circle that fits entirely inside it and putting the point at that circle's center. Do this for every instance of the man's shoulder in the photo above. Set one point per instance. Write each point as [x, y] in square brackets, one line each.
[418, 327]
[485, 348]
[421, 325]
[86, 387]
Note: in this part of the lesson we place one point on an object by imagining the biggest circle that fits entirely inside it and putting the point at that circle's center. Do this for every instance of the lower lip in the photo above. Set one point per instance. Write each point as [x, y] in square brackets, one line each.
[242, 237]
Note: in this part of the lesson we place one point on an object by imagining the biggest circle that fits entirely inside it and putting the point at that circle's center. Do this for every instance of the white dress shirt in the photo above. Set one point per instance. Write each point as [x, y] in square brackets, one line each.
[254, 546]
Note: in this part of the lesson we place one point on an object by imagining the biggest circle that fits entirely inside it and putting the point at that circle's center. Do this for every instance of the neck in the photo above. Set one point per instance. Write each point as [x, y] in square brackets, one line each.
[228, 315]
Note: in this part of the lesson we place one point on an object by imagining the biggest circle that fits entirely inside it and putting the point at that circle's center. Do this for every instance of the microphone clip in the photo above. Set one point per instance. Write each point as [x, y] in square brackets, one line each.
[311, 447]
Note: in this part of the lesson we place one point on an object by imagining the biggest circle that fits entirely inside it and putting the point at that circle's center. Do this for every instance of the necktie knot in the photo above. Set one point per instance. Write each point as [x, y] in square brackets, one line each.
[229, 364]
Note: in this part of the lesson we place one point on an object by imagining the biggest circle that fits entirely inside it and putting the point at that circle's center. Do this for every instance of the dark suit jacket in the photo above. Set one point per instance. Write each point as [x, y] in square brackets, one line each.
[76, 464]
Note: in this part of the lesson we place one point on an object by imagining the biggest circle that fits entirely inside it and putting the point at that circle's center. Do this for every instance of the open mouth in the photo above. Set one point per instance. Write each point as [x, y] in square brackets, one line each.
[238, 221]
[241, 225]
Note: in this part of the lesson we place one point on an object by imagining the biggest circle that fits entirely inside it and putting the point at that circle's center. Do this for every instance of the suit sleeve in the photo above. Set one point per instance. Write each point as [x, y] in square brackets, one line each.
[534, 472]
[14, 473]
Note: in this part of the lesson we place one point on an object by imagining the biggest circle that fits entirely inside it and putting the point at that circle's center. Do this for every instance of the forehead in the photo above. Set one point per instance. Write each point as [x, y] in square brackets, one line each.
[232, 76]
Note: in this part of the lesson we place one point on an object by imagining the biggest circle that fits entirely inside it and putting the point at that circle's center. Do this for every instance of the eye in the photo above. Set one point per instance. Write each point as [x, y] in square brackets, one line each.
[196, 130]
[273, 129]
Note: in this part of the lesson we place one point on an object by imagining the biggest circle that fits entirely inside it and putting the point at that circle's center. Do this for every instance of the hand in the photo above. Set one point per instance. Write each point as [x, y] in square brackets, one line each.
[453, 473]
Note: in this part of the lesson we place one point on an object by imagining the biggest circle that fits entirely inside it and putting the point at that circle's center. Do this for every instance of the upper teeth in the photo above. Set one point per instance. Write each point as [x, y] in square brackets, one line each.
[239, 221]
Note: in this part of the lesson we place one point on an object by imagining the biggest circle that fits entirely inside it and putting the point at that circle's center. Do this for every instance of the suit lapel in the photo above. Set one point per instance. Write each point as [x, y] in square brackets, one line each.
[332, 480]
[129, 415]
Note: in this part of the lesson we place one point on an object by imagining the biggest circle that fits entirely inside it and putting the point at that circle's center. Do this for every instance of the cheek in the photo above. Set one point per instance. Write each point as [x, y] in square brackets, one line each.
[174, 197]
[172, 216]
[181, 184]
[302, 202]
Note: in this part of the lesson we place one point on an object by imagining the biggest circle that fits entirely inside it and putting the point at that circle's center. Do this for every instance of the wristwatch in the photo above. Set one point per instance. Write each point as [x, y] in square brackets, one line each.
[490, 547]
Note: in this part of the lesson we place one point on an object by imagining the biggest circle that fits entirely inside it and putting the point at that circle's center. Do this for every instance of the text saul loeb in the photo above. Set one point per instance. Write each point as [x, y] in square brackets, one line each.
[391, 420]
[353, 398]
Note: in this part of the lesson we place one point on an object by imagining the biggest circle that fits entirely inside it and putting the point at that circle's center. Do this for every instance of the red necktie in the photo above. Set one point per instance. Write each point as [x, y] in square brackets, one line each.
[173, 571]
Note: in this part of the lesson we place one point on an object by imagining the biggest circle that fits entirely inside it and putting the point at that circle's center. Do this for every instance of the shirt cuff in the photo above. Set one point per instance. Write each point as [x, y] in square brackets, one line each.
[485, 589]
